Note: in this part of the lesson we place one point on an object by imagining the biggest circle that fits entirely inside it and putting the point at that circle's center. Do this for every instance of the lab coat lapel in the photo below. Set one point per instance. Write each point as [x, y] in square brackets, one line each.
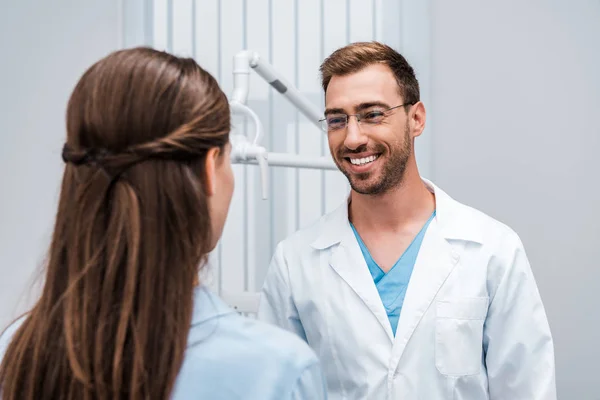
[434, 263]
[348, 261]
[437, 258]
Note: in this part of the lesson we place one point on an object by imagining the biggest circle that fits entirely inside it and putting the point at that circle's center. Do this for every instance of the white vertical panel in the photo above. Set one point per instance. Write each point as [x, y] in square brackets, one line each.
[135, 23]
[283, 46]
[310, 180]
[258, 214]
[416, 40]
[391, 23]
[205, 46]
[160, 25]
[233, 241]
[361, 20]
[207, 38]
[292, 196]
[258, 40]
[231, 36]
[335, 35]
[378, 25]
[309, 44]
[182, 28]
[321, 102]
[310, 137]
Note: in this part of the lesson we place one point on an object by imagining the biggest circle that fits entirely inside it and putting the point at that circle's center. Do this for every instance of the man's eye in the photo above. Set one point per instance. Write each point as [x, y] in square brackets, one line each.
[335, 120]
[373, 116]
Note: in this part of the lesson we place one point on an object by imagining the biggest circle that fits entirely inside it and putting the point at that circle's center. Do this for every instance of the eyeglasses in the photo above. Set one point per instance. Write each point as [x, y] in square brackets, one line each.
[336, 122]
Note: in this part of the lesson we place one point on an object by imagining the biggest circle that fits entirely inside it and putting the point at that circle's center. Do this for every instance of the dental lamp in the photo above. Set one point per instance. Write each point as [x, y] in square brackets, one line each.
[246, 152]
[244, 60]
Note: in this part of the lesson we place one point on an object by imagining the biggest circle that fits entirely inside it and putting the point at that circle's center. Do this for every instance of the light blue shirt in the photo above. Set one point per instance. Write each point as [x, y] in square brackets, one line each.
[232, 357]
[393, 284]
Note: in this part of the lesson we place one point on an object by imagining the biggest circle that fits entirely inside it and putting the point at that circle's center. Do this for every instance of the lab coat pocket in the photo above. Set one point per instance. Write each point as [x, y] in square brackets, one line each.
[459, 335]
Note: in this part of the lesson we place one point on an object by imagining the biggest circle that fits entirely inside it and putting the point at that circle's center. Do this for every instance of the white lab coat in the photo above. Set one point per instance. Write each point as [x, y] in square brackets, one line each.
[472, 327]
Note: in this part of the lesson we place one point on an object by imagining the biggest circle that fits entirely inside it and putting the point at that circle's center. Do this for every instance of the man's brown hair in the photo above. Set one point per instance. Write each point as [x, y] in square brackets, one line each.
[356, 56]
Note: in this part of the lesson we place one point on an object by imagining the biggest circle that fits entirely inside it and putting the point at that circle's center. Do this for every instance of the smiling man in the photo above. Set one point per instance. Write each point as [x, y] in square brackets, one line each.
[403, 292]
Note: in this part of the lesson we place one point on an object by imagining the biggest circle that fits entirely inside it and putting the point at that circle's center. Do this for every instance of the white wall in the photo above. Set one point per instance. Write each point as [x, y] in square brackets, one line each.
[45, 47]
[516, 100]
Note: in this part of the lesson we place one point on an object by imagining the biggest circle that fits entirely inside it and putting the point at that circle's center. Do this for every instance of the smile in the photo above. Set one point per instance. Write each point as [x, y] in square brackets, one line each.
[363, 161]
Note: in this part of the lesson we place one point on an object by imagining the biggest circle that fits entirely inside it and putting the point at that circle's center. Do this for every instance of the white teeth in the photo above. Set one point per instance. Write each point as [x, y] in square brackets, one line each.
[362, 161]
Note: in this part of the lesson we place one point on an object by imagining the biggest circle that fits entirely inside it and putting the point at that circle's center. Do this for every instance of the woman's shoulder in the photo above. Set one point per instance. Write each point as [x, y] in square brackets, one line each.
[223, 327]
[242, 354]
[272, 341]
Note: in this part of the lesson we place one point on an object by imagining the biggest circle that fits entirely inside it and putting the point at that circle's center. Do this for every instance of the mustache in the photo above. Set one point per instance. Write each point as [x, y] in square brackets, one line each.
[344, 152]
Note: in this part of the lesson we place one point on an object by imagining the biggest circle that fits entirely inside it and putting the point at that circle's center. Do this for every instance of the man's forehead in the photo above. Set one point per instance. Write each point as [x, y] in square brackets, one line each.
[375, 83]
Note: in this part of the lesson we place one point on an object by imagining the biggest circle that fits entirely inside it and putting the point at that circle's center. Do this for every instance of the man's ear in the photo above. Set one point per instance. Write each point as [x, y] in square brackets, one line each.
[417, 119]
[210, 168]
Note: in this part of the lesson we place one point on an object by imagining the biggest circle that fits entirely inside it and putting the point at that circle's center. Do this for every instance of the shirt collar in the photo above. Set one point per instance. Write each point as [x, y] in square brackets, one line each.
[208, 306]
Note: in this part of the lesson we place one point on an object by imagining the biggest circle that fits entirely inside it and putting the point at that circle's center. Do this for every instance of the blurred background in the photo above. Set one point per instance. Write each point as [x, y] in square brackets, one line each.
[512, 91]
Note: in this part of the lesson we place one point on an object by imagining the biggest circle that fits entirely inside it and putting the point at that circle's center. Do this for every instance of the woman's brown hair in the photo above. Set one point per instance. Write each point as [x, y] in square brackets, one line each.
[131, 231]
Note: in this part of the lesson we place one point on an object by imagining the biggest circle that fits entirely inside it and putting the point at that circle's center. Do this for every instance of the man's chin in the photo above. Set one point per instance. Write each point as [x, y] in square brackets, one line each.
[365, 187]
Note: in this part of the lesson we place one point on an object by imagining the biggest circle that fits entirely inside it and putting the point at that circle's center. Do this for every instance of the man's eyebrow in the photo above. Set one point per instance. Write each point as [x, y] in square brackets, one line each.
[358, 108]
[371, 104]
[334, 111]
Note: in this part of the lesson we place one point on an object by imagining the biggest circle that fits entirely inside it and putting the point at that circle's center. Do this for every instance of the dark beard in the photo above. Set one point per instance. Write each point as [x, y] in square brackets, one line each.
[392, 173]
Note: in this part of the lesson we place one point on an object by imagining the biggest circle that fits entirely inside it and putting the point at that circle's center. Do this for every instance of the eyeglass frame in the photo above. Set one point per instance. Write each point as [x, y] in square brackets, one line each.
[358, 116]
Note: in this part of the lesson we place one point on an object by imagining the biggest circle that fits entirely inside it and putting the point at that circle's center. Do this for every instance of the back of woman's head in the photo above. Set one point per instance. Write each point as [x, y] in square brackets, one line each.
[132, 228]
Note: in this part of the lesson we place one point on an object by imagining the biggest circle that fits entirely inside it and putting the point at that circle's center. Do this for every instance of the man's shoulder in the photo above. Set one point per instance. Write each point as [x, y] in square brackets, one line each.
[490, 231]
[489, 223]
[302, 240]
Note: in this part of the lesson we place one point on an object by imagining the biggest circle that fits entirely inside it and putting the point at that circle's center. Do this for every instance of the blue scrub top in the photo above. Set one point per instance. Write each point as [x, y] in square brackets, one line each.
[231, 357]
[393, 284]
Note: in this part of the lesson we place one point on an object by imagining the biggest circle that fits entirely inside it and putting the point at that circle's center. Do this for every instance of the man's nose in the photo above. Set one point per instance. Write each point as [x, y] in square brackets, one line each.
[354, 135]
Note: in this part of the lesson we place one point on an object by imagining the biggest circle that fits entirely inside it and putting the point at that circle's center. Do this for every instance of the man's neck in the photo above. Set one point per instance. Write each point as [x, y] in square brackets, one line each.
[393, 210]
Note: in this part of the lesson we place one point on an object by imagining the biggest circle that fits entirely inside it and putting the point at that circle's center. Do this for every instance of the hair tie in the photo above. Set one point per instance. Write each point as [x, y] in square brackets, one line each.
[94, 157]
